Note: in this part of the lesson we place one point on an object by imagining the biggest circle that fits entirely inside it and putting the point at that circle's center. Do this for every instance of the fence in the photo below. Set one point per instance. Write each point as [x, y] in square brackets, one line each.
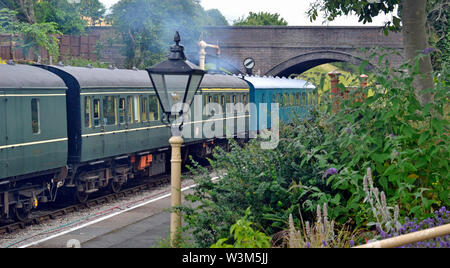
[70, 46]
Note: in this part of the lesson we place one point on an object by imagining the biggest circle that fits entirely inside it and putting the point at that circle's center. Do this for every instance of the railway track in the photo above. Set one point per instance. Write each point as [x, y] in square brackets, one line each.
[42, 216]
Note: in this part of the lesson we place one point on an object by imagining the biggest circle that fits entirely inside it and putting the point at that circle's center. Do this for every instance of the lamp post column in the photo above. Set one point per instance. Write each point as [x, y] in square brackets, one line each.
[175, 217]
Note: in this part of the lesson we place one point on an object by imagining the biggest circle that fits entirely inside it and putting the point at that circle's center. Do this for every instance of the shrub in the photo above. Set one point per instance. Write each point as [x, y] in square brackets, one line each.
[244, 236]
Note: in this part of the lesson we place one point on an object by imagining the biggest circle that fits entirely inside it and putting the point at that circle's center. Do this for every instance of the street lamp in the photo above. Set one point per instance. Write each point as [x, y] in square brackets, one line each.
[175, 81]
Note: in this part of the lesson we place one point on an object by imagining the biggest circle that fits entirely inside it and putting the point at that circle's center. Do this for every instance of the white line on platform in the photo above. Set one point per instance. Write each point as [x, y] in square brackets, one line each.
[107, 217]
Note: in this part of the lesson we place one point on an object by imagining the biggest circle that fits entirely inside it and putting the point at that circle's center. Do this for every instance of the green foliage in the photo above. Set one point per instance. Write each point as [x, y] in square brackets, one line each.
[80, 62]
[92, 9]
[66, 15]
[365, 10]
[244, 236]
[8, 21]
[405, 144]
[147, 27]
[439, 33]
[261, 19]
[216, 18]
[30, 36]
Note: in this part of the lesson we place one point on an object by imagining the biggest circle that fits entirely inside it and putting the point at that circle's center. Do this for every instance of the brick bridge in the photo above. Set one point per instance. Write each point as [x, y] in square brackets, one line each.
[281, 51]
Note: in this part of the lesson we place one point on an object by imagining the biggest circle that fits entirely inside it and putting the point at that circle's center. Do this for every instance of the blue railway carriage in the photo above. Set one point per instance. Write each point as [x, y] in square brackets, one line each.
[296, 99]
[33, 137]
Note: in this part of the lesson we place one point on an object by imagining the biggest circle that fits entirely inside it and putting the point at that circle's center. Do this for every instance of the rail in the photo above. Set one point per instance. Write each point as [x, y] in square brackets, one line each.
[409, 238]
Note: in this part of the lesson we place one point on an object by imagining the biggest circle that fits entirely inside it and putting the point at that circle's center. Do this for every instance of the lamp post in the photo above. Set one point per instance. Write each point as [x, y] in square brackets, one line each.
[175, 80]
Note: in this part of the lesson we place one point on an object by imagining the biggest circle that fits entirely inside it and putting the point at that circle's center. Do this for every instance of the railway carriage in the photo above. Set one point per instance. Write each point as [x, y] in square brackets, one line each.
[33, 136]
[296, 99]
[114, 127]
[230, 94]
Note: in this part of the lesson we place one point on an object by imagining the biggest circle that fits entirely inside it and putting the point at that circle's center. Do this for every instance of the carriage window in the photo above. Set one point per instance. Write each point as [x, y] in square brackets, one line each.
[130, 109]
[154, 109]
[262, 99]
[234, 99]
[245, 99]
[137, 117]
[297, 99]
[121, 110]
[96, 112]
[35, 116]
[303, 99]
[292, 99]
[109, 111]
[144, 110]
[87, 112]
[222, 100]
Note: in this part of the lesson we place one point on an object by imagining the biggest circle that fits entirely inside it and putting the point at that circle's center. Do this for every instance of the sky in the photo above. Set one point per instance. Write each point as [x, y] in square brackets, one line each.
[293, 11]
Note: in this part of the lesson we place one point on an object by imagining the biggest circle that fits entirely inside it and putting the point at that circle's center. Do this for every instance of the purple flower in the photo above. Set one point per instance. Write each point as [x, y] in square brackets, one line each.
[308, 245]
[330, 171]
[352, 243]
[324, 243]
[428, 50]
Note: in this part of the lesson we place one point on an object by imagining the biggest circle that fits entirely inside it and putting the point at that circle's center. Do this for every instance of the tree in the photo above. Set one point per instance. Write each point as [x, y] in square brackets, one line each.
[438, 24]
[412, 22]
[29, 36]
[24, 8]
[92, 9]
[66, 15]
[261, 19]
[216, 18]
[147, 27]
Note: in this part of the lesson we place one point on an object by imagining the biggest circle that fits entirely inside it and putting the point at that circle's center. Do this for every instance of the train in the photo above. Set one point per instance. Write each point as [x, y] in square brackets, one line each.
[78, 130]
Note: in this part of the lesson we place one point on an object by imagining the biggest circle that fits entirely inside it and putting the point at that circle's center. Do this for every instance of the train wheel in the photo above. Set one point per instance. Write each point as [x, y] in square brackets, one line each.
[80, 197]
[22, 214]
[115, 187]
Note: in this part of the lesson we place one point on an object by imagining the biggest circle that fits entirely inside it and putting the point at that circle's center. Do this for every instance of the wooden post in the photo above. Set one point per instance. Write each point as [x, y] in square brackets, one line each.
[334, 75]
[175, 217]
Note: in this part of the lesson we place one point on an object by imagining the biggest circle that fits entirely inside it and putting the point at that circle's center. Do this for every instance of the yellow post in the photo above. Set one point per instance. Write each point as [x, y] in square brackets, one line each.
[175, 217]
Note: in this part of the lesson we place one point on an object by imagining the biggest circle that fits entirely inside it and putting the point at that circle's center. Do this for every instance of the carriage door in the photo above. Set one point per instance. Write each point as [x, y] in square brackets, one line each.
[3, 154]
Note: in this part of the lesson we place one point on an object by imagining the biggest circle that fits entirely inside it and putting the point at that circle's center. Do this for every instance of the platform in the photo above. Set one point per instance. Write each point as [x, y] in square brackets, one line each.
[142, 227]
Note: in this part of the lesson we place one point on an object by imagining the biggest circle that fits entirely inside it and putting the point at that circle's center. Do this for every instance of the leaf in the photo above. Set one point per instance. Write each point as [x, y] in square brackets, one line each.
[436, 124]
[423, 137]
[380, 158]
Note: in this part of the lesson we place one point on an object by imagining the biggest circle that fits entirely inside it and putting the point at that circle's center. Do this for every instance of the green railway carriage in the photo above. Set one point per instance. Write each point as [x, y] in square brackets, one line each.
[230, 95]
[114, 126]
[112, 112]
[33, 133]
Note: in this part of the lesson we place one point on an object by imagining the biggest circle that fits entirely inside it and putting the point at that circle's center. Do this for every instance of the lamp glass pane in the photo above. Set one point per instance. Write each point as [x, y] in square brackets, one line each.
[193, 86]
[176, 89]
[161, 90]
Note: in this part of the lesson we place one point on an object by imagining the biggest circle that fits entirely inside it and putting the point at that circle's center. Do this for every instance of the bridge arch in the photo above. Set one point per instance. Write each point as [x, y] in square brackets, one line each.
[304, 62]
